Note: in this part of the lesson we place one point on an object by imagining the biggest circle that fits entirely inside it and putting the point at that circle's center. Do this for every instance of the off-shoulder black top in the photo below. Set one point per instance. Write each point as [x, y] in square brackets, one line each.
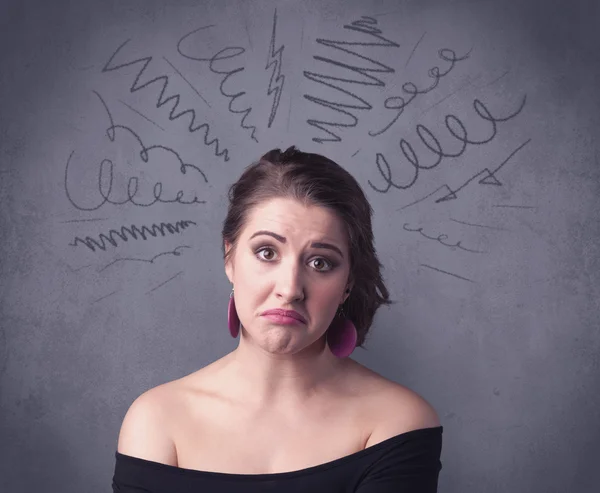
[409, 462]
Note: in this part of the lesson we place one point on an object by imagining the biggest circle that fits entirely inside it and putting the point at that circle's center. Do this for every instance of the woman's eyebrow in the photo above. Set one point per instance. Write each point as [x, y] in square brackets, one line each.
[282, 239]
[314, 244]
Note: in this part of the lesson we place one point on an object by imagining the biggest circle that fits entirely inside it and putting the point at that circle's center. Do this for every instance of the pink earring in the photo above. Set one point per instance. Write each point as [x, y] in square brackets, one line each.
[233, 320]
[342, 336]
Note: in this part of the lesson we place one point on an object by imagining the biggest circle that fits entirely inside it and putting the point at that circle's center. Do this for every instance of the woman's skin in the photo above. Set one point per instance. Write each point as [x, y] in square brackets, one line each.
[280, 367]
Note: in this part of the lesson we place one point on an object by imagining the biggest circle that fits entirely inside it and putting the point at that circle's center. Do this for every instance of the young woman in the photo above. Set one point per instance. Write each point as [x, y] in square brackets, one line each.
[288, 410]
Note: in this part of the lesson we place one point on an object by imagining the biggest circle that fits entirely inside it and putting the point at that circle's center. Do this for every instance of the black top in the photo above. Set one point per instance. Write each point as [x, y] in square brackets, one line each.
[409, 462]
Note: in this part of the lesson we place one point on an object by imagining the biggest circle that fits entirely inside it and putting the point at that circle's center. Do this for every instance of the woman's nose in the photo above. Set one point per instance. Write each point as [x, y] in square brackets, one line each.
[289, 283]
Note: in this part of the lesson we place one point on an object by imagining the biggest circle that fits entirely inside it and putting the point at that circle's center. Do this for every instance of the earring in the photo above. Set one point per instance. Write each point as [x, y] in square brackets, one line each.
[233, 321]
[342, 336]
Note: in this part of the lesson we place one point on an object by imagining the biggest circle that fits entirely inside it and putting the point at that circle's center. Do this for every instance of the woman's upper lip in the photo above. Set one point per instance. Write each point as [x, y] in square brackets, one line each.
[285, 313]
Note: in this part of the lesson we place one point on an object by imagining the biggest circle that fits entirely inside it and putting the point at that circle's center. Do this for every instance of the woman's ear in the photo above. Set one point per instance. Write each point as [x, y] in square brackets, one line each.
[347, 291]
[229, 262]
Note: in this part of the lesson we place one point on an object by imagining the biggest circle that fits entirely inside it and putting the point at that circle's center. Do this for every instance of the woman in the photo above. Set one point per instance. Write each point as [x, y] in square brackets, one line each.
[288, 410]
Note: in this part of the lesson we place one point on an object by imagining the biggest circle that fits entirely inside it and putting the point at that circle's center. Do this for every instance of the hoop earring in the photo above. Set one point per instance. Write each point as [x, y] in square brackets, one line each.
[342, 336]
[233, 321]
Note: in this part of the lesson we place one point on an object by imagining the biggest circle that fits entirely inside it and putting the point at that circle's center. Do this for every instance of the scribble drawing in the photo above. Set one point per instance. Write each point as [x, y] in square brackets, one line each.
[85, 220]
[468, 82]
[497, 228]
[105, 296]
[412, 52]
[516, 206]
[486, 177]
[174, 252]
[440, 239]
[141, 114]
[399, 103]
[133, 232]
[226, 53]
[493, 81]
[163, 82]
[106, 167]
[274, 61]
[446, 272]
[248, 33]
[144, 154]
[185, 79]
[165, 282]
[351, 102]
[458, 130]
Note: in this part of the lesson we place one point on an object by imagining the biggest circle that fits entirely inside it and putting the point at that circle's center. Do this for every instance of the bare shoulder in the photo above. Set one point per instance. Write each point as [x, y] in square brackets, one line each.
[145, 430]
[400, 410]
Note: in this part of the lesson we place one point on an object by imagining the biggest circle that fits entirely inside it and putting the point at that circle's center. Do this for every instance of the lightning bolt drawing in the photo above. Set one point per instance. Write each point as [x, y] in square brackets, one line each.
[277, 79]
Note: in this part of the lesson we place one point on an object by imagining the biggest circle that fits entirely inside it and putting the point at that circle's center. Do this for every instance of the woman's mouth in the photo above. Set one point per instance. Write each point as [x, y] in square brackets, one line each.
[284, 317]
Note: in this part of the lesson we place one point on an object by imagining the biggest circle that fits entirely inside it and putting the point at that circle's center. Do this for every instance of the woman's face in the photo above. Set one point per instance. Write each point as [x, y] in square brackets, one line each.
[290, 257]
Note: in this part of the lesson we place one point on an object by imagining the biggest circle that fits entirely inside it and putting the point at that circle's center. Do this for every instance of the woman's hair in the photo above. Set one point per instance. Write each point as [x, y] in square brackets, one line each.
[313, 179]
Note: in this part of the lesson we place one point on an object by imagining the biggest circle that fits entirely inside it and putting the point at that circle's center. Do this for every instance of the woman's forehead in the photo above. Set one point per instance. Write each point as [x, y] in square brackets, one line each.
[291, 217]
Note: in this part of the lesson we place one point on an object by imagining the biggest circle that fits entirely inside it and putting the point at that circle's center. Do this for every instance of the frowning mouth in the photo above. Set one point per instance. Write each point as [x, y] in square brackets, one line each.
[284, 316]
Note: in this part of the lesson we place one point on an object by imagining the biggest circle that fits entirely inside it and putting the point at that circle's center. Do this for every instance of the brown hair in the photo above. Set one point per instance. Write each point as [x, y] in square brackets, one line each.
[316, 180]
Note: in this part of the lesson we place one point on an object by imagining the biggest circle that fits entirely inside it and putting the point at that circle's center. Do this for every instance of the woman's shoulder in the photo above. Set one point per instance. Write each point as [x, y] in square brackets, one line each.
[145, 430]
[397, 409]
[150, 422]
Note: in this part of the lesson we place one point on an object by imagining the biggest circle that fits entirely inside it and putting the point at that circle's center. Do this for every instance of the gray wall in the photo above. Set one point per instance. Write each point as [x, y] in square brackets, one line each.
[499, 332]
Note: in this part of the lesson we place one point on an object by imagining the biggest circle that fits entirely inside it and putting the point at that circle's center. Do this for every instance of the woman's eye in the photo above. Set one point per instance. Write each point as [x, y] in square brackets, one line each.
[320, 262]
[266, 250]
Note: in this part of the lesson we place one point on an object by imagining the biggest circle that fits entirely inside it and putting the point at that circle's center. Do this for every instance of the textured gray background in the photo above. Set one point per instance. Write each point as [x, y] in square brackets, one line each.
[502, 340]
